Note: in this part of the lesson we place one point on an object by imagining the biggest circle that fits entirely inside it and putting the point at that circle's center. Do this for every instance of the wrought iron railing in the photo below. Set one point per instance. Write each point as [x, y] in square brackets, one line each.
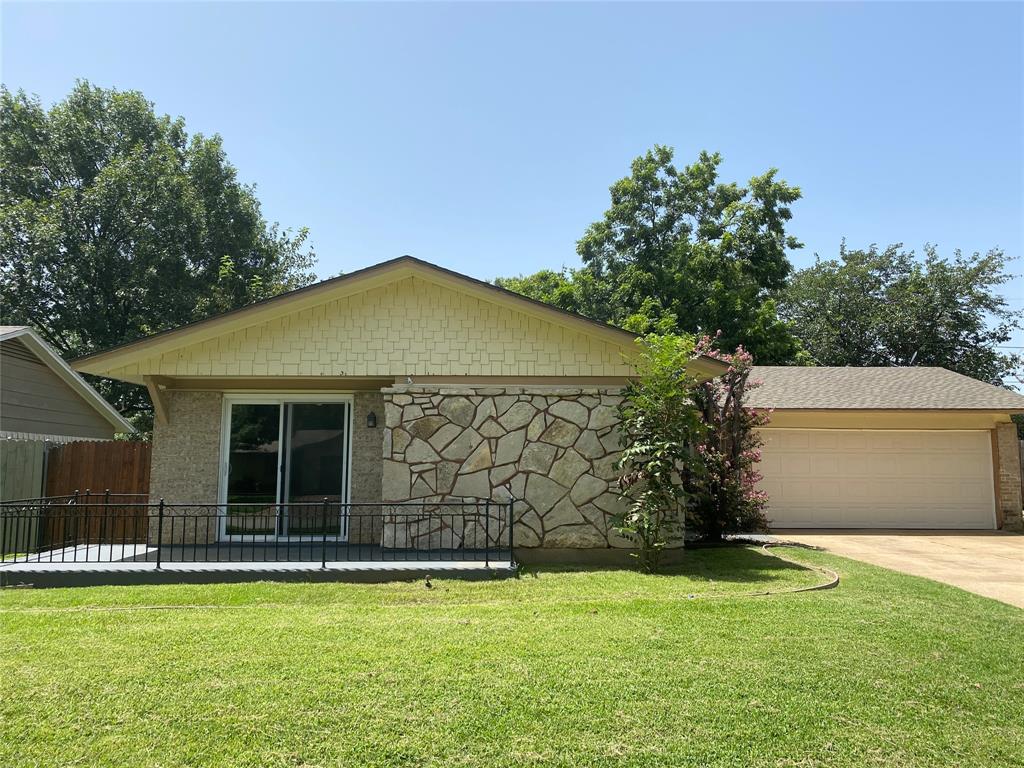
[110, 528]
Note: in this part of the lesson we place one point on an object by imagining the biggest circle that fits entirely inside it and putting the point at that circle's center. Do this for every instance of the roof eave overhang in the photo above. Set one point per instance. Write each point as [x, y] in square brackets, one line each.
[705, 368]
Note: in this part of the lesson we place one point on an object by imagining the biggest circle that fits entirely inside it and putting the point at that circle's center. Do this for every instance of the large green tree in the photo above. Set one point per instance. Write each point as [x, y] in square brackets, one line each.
[680, 250]
[888, 307]
[115, 223]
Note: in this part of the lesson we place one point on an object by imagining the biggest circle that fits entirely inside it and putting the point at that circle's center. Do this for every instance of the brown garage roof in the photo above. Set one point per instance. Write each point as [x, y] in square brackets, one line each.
[877, 389]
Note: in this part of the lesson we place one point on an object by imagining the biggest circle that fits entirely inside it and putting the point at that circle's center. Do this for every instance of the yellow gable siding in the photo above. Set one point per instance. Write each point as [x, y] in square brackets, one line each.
[409, 327]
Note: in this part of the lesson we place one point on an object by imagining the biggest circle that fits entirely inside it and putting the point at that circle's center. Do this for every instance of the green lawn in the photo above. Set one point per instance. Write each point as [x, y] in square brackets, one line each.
[604, 668]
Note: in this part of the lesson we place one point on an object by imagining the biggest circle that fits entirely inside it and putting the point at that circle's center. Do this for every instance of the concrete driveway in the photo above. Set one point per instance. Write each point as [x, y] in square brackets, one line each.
[989, 563]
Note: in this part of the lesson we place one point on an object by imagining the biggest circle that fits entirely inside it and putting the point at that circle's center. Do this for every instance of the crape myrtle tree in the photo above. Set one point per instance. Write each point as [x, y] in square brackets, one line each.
[691, 448]
[115, 223]
[725, 495]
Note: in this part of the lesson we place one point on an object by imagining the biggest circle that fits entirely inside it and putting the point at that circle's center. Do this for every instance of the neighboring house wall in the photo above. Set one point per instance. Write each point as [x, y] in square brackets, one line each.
[409, 327]
[1008, 479]
[35, 400]
[553, 448]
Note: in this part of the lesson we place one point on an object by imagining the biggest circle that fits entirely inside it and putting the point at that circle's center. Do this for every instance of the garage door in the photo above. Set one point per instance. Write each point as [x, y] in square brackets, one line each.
[821, 478]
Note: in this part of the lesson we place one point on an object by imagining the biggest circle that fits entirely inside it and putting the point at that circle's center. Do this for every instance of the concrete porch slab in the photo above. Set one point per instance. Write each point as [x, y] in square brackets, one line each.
[99, 574]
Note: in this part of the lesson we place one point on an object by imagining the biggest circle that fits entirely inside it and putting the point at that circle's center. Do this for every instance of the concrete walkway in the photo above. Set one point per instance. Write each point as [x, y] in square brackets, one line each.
[989, 563]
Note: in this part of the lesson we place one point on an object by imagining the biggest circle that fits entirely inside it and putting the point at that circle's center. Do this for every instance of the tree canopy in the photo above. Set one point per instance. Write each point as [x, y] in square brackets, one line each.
[115, 223]
[887, 307]
[678, 250]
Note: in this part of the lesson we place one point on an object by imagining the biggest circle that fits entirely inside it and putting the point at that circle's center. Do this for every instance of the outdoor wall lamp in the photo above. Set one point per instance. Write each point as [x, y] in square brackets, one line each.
[371, 420]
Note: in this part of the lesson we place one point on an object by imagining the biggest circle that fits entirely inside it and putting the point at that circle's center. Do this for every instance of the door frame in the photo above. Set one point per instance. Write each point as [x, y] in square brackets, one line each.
[280, 399]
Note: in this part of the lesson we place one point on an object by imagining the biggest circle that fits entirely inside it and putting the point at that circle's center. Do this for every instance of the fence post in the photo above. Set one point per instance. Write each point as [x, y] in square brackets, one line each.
[159, 534]
[323, 542]
[88, 492]
[511, 525]
[103, 522]
[487, 533]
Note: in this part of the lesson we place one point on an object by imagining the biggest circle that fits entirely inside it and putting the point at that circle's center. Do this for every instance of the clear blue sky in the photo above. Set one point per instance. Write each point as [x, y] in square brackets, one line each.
[483, 137]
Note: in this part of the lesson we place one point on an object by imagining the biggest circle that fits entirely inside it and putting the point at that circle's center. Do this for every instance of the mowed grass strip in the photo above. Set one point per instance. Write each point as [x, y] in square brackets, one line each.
[560, 668]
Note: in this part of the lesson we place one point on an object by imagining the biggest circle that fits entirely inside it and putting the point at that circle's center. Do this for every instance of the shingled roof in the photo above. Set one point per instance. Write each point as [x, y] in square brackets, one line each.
[877, 389]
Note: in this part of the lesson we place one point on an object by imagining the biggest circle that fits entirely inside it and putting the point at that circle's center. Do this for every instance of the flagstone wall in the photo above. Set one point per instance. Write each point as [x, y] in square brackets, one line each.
[552, 448]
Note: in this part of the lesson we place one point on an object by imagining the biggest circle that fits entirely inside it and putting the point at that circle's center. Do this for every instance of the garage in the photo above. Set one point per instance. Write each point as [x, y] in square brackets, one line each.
[847, 478]
[897, 448]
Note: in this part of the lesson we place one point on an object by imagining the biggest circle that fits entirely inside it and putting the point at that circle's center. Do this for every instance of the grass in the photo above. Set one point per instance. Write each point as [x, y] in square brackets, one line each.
[601, 668]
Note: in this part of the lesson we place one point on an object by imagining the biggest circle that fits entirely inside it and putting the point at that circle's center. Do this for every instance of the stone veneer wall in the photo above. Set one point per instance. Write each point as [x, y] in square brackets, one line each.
[553, 449]
[1008, 476]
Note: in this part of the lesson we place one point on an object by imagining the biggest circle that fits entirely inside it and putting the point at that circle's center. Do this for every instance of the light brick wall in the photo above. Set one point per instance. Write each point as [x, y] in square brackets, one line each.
[184, 470]
[367, 465]
[409, 327]
[1008, 476]
[186, 451]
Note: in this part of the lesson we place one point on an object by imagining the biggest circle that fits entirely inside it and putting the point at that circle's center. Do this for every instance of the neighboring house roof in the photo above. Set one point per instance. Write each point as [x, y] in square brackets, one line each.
[161, 354]
[921, 388]
[49, 357]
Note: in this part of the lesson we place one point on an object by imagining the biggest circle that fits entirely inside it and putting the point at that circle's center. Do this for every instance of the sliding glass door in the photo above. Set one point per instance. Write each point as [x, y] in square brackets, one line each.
[284, 458]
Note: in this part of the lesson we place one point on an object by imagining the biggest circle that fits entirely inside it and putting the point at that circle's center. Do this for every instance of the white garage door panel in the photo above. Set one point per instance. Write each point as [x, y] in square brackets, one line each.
[820, 478]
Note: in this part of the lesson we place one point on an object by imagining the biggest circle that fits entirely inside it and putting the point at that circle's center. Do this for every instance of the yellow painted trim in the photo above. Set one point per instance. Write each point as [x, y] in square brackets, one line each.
[161, 410]
[552, 381]
[915, 420]
[277, 383]
[994, 440]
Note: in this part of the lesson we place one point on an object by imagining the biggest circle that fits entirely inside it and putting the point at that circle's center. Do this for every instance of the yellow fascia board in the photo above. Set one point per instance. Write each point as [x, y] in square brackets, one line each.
[923, 419]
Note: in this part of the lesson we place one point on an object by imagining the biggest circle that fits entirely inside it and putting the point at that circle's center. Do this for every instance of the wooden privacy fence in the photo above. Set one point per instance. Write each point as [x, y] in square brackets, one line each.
[99, 466]
[22, 464]
[22, 467]
[30, 469]
[91, 469]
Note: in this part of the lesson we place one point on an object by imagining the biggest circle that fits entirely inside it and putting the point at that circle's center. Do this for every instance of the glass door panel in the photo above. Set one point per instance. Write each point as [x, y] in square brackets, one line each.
[315, 468]
[253, 468]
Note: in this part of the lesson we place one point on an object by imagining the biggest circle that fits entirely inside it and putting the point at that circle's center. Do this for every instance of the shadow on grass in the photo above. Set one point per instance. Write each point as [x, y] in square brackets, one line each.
[729, 563]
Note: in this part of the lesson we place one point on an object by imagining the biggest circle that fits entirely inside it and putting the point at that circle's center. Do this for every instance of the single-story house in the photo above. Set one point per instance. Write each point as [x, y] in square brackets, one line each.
[406, 382]
[42, 398]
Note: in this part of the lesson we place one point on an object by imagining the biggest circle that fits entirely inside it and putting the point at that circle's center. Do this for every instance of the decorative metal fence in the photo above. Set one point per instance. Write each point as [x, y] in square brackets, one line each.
[112, 528]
